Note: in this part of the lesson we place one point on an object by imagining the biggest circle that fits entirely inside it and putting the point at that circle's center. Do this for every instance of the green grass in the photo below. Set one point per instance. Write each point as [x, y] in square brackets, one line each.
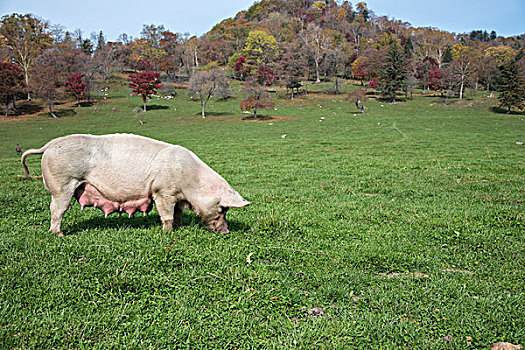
[403, 232]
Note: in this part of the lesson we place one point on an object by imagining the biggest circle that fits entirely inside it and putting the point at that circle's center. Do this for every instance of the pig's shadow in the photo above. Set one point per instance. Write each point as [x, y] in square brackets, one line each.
[138, 221]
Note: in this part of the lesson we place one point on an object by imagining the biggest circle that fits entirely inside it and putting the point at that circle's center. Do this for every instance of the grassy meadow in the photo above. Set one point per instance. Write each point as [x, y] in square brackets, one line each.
[403, 227]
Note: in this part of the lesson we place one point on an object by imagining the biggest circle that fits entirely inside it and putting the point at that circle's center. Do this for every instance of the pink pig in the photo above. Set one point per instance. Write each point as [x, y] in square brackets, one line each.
[128, 173]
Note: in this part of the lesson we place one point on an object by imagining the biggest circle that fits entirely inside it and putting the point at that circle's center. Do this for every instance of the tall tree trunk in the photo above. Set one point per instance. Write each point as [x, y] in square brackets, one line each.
[202, 109]
[306, 86]
[50, 106]
[196, 58]
[461, 90]
[10, 105]
[255, 113]
[318, 77]
[26, 76]
[144, 107]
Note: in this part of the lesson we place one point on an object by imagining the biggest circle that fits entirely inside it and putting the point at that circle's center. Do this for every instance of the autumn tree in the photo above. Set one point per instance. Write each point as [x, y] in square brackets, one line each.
[190, 54]
[239, 68]
[425, 69]
[266, 75]
[107, 60]
[488, 61]
[76, 86]
[144, 84]
[293, 66]
[205, 84]
[317, 41]
[11, 84]
[369, 65]
[171, 60]
[512, 86]
[433, 43]
[394, 72]
[357, 97]
[26, 37]
[260, 47]
[143, 65]
[447, 81]
[461, 66]
[83, 44]
[363, 14]
[338, 52]
[257, 97]
[47, 77]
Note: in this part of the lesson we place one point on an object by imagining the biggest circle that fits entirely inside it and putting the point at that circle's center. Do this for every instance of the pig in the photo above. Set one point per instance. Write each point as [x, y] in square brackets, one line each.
[128, 173]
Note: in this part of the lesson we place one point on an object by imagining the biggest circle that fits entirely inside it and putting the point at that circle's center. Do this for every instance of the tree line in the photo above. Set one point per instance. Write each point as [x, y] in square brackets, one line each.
[291, 43]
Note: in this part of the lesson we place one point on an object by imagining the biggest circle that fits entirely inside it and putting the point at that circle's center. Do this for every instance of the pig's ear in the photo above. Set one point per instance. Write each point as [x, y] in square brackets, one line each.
[234, 200]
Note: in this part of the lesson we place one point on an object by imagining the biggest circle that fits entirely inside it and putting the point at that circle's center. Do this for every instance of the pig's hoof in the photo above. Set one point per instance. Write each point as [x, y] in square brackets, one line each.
[58, 233]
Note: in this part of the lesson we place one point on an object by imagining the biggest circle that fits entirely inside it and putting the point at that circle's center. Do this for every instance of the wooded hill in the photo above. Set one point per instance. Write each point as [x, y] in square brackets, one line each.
[286, 42]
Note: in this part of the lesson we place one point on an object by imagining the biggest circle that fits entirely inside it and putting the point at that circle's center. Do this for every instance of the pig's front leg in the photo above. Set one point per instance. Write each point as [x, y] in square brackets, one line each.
[166, 209]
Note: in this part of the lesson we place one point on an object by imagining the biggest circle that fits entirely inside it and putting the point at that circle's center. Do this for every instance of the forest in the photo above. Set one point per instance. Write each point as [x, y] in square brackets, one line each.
[288, 44]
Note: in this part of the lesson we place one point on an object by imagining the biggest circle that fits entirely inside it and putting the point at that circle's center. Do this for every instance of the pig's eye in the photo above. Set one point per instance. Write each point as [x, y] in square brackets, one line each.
[221, 209]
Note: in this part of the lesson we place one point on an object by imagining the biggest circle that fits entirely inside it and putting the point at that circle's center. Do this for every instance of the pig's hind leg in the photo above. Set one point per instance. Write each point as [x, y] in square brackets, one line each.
[60, 201]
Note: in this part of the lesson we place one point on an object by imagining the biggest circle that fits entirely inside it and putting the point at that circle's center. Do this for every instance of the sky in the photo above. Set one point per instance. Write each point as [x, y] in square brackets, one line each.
[114, 17]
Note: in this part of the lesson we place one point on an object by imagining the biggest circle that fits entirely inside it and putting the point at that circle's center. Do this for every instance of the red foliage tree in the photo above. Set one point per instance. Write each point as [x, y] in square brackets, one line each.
[239, 67]
[145, 84]
[266, 75]
[258, 98]
[425, 69]
[76, 86]
[11, 84]
[435, 80]
[373, 83]
[47, 77]
[144, 65]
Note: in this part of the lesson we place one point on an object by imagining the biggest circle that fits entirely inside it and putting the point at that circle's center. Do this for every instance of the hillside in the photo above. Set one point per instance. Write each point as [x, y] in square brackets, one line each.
[287, 43]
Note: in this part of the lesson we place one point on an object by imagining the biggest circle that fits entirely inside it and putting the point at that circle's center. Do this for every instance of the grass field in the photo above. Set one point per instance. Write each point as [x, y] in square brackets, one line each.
[403, 227]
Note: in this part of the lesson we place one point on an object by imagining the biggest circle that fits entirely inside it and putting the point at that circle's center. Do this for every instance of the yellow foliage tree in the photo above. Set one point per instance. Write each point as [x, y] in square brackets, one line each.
[260, 47]
[501, 54]
[319, 7]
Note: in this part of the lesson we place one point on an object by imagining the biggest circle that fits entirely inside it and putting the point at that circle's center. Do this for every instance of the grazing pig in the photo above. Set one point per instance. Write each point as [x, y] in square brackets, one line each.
[128, 173]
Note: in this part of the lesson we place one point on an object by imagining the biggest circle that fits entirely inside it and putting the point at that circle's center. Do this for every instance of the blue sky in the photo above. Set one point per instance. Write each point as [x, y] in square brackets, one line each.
[113, 17]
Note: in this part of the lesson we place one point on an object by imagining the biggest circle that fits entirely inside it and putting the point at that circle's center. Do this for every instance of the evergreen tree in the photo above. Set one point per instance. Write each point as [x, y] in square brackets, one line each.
[447, 57]
[409, 47]
[101, 41]
[394, 72]
[512, 86]
[86, 46]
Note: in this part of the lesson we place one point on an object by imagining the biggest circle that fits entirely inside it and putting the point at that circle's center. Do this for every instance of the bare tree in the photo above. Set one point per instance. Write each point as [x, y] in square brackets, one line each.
[317, 42]
[205, 84]
[461, 66]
